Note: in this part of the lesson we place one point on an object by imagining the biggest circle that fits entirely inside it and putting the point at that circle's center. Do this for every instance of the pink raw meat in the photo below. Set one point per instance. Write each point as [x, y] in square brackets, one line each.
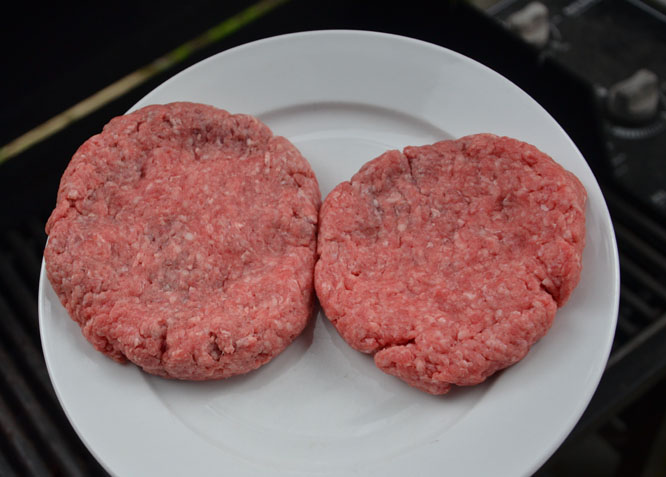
[448, 261]
[183, 240]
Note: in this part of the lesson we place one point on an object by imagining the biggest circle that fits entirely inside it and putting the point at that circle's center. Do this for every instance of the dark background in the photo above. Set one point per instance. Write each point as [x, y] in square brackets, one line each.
[55, 56]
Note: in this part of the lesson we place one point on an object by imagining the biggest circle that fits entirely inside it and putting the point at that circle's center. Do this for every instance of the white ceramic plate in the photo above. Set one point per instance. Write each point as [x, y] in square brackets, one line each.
[320, 408]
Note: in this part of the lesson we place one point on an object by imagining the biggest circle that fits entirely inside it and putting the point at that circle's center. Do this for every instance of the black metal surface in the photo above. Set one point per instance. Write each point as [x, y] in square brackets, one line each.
[602, 42]
[36, 438]
[638, 357]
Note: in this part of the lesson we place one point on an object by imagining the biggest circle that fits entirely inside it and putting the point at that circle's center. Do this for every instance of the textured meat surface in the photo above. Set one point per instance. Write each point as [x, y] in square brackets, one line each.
[448, 261]
[184, 240]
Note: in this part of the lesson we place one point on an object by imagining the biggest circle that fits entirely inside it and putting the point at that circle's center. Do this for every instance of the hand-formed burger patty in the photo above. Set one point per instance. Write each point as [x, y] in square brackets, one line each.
[448, 261]
[184, 240]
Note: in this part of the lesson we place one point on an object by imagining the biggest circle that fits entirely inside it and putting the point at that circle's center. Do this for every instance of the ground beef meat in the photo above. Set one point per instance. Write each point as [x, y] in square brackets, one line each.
[449, 261]
[184, 240]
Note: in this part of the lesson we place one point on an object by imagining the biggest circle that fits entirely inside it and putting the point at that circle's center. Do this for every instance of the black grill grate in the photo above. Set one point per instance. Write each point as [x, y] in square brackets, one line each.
[37, 438]
[642, 269]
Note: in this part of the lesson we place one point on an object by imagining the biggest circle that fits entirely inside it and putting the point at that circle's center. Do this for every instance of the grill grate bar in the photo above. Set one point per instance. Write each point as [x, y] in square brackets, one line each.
[626, 329]
[20, 247]
[5, 467]
[31, 408]
[35, 228]
[28, 461]
[24, 351]
[635, 302]
[632, 269]
[629, 242]
[21, 299]
[646, 334]
[624, 212]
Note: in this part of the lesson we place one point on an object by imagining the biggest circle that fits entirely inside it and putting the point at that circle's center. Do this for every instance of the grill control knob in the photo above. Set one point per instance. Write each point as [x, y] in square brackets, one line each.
[635, 99]
[531, 24]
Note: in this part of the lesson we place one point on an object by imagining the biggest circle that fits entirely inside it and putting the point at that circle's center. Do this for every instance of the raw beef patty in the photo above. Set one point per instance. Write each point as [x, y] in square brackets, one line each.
[448, 261]
[184, 240]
